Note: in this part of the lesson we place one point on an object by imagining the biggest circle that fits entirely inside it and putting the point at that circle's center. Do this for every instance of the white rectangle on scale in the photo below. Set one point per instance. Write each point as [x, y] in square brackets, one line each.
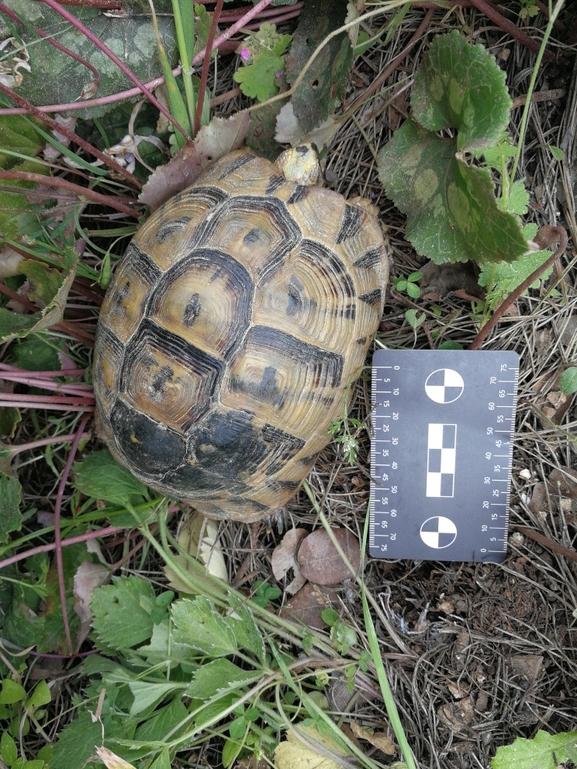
[441, 460]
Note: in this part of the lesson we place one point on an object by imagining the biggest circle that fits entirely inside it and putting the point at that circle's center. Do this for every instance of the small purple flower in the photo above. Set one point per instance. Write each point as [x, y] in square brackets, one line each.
[245, 54]
[280, 73]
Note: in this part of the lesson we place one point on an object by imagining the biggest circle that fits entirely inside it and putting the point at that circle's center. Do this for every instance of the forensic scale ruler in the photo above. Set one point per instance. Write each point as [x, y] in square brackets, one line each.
[441, 454]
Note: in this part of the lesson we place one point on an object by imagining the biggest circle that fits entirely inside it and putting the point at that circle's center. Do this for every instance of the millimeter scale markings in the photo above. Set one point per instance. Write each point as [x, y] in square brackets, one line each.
[441, 454]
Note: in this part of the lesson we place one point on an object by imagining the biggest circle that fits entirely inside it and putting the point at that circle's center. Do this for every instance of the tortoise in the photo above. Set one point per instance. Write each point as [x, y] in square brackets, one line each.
[232, 331]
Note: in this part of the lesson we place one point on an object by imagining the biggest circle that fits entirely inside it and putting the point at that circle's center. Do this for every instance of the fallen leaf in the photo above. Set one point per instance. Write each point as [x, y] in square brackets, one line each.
[199, 538]
[319, 560]
[527, 666]
[563, 480]
[379, 739]
[88, 577]
[441, 279]
[457, 715]
[308, 605]
[293, 753]
[111, 760]
[218, 138]
[284, 558]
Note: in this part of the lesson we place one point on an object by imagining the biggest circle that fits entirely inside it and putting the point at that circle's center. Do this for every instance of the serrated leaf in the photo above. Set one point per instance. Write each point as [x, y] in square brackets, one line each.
[501, 279]
[568, 381]
[452, 214]
[147, 694]
[50, 287]
[122, 613]
[10, 498]
[98, 475]
[257, 80]
[544, 751]
[459, 85]
[218, 676]
[37, 353]
[518, 199]
[199, 625]
[245, 629]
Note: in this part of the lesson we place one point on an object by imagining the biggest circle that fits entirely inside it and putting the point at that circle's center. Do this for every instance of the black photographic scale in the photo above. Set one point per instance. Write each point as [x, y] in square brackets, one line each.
[441, 453]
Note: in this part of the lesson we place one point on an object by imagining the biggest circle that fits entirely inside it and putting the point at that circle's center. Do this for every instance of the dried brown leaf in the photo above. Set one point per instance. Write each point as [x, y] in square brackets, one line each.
[321, 563]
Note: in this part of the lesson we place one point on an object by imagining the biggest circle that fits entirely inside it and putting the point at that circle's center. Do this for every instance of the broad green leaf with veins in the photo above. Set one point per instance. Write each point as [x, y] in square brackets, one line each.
[452, 213]
[459, 85]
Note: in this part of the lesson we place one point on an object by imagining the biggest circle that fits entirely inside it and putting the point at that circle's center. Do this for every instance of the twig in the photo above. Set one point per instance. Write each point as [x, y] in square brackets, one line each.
[508, 26]
[205, 66]
[544, 237]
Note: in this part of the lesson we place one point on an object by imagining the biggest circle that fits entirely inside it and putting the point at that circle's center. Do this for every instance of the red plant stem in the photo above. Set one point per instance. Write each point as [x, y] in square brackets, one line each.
[110, 162]
[561, 236]
[55, 44]
[57, 533]
[56, 181]
[44, 442]
[120, 64]
[103, 100]
[103, 5]
[66, 389]
[42, 374]
[234, 13]
[510, 28]
[41, 399]
[206, 65]
[64, 543]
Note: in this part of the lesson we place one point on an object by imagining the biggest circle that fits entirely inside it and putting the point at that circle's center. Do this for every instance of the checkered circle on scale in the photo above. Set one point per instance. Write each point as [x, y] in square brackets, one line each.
[444, 385]
[438, 532]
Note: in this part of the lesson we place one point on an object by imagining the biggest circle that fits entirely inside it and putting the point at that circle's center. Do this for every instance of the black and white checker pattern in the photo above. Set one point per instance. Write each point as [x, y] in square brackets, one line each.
[438, 532]
[444, 385]
[441, 460]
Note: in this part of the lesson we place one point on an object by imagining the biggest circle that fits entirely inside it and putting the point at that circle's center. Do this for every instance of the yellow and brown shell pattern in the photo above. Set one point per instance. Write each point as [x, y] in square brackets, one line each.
[233, 328]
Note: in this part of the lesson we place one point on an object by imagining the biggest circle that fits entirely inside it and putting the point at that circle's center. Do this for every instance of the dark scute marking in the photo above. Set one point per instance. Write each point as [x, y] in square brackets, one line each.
[227, 445]
[282, 447]
[310, 459]
[160, 379]
[120, 294]
[107, 340]
[362, 340]
[282, 486]
[275, 183]
[210, 196]
[235, 165]
[268, 387]
[149, 448]
[208, 369]
[295, 300]
[372, 297]
[370, 258]
[192, 310]
[326, 367]
[300, 192]
[138, 261]
[238, 282]
[285, 225]
[320, 254]
[191, 481]
[351, 223]
[170, 229]
[252, 236]
[350, 311]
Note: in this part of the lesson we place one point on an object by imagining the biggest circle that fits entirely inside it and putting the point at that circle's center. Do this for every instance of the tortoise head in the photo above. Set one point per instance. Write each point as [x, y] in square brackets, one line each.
[300, 164]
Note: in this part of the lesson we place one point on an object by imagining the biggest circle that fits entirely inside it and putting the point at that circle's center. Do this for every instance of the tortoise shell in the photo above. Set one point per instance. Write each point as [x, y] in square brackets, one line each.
[231, 333]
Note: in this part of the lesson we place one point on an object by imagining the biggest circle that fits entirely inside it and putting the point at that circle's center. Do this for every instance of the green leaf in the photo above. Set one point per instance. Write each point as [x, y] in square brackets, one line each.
[50, 287]
[10, 498]
[163, 721]
[557, 152]
[325, 80]
[246, 631]
[459, 85]
[501, 279]
[568, 381]
[8, 749]
[199, 625]
[544, 751]
[163, 760]
[9, 420]
[98, 475]
[147, 694]
[452, 214]
[257, 80]
[11, 692]
[40, 696]
[122, 613]
[36, 353]
[517, 200]
[218, 676]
